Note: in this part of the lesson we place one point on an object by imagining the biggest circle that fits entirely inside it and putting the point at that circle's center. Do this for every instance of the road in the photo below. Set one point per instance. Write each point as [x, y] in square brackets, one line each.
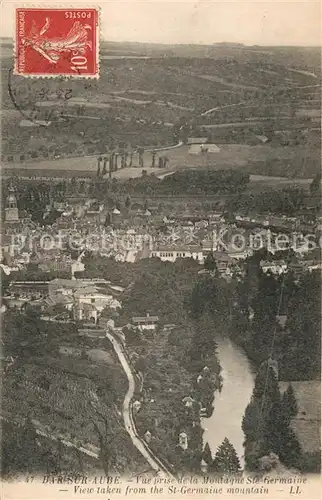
[127, 412]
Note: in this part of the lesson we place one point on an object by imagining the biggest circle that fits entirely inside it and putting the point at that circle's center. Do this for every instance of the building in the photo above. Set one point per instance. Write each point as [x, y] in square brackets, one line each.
[197, 140]
[147, 436]
[172, 253]
[90, 295]
[197, 149]
[88, 301]
[77, 267]
[136, 406]
[188, 401]
[86, 312]
[274, 267]
[224, 263]
[145, 322]
[59, 300]
[183, 441]
[11, 210]
[28, 289]
[281, 320]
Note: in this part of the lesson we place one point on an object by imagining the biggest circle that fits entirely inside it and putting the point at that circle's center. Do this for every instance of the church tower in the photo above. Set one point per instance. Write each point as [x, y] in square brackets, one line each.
[11, 210]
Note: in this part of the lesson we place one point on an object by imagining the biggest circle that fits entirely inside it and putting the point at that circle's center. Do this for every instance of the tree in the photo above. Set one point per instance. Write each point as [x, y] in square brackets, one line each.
[266, 384]
[98, 173]
[104, 170]
[315, 186]
[210, 263]
[108, 220]
[226, 459]
[206, 454]
[289, 403]
[279, 437]
[5, 282]
[127, 202]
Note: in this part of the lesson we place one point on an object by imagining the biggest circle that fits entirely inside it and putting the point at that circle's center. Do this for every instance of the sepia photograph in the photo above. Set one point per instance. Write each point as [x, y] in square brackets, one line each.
[161, 235]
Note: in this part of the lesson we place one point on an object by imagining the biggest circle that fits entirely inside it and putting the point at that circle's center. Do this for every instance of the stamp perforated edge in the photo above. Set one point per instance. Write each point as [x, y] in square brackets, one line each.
[66, 76]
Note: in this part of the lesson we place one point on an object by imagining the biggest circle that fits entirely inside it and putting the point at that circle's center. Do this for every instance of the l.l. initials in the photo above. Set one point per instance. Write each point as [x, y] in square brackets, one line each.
[295, 490]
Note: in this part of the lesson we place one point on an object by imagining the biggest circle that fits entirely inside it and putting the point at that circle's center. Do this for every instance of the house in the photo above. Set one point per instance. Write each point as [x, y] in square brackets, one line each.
[146, 322]
[136, 406]
[203, 148]
[28, 289]
[90, 295]
[274, 267]
[296, 268]
[183, 441]
[314, 267]
[147, 436]
[61, 206]
[262, 138]
[59, 300]
[204, 466]
[188, 401]
[281, 320]
[224, 262]
[77, 267]
[86, 312]
[240, 254]
[64, 286]
[172, 253]
[87, 300]
[197, 140]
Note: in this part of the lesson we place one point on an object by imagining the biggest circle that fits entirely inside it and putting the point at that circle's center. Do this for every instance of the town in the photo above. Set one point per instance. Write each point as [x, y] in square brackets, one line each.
[160, 269]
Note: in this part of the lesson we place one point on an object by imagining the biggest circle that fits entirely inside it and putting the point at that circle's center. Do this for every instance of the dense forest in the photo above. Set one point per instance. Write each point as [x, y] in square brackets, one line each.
[266, 423]
[277, 321]
[249, 309]
[192, 182]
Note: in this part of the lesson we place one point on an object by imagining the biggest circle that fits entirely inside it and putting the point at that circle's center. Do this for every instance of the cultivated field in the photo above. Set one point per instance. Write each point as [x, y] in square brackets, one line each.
[146, 97]
[284, 161]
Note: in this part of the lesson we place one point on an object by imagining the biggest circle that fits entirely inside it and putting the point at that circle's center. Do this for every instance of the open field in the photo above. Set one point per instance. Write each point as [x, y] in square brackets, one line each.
[228, 156]
[155, 95]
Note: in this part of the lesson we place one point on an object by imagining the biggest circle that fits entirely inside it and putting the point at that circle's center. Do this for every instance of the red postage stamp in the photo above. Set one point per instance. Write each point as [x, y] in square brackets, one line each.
[58, 41]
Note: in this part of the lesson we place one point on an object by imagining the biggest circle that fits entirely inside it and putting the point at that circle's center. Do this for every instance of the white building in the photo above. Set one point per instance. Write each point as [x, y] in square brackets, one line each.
[183, 440]
[274, 267]
[77, 267]
[172, 253]
[99, 300]
[146, 322]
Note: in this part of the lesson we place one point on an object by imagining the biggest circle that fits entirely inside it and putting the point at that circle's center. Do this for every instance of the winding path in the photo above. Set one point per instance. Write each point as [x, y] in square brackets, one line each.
[140, 445]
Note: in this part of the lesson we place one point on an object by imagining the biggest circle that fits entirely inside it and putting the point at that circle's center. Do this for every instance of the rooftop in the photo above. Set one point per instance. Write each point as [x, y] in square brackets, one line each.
[147, 318]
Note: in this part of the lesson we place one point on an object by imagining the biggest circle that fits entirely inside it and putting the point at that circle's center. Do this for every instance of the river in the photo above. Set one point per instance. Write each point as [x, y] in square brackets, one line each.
[230, 403]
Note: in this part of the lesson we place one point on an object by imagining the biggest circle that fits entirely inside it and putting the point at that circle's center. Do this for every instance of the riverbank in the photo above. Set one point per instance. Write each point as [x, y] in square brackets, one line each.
[230, 403]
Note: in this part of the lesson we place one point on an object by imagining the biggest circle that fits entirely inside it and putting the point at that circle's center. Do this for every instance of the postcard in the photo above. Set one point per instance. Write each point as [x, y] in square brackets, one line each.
[161, 237]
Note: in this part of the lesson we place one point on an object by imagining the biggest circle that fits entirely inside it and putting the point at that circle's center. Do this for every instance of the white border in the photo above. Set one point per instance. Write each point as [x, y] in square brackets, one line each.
[68, 76]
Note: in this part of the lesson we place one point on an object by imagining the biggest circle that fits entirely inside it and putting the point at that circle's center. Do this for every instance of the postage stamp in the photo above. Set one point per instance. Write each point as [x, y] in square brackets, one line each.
[57, 41]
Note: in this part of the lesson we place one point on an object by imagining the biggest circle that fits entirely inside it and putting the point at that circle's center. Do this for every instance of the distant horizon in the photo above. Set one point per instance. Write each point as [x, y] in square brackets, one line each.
[274, 23]
[200, 44]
